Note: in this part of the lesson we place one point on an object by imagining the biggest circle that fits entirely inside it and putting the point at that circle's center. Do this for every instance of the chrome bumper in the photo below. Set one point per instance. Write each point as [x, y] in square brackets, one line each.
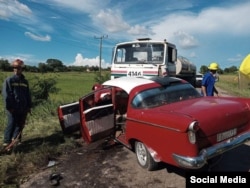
[208, 153]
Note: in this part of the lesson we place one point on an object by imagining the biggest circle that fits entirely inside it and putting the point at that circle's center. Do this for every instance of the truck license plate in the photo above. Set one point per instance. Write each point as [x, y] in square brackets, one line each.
[137, 73]
[226, 134]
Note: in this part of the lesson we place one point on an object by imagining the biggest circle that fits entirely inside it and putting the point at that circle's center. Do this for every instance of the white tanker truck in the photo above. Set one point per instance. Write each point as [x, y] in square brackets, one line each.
[147, 58]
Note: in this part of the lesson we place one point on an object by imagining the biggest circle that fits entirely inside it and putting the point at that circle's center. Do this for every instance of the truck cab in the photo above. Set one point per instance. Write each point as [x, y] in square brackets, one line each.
[147, 58]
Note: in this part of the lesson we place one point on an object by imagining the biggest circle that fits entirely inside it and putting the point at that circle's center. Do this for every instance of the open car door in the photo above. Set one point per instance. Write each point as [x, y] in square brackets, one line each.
[97, 115]
[69, 117]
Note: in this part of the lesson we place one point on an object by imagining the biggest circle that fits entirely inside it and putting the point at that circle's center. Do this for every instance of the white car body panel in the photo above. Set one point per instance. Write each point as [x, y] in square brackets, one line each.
[127, 83]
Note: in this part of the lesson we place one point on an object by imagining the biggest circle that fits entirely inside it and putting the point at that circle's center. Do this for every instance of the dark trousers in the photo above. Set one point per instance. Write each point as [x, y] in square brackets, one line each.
[15, 125]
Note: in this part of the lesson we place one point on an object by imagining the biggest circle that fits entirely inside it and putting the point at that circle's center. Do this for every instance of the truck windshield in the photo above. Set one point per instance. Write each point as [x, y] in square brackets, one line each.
[139, 53]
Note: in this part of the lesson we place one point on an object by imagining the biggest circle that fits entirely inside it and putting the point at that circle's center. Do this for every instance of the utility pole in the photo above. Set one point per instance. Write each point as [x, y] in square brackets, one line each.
[100, 55]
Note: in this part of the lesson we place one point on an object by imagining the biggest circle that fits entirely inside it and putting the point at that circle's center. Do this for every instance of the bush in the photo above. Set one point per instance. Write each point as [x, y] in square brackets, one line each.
[42, 88]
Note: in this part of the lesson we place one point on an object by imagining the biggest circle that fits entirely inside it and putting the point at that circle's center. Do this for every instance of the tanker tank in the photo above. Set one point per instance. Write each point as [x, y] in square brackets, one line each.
[184, 66]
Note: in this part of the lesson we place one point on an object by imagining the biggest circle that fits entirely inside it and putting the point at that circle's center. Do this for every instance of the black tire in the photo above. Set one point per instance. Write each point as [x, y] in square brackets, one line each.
[144, 158]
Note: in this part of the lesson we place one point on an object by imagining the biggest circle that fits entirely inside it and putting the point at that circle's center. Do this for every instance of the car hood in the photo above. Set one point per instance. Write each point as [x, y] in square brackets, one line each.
[213, 114]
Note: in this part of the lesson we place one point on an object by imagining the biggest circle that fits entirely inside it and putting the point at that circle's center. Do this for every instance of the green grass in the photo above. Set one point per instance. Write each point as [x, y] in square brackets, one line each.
[42, 136]
[235, 85]
[73, 86]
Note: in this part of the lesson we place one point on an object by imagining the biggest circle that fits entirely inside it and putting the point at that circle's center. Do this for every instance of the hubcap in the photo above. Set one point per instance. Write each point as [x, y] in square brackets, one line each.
[141, 154]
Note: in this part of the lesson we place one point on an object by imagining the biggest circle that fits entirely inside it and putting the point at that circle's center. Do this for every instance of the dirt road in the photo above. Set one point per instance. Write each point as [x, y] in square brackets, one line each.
[93, 166]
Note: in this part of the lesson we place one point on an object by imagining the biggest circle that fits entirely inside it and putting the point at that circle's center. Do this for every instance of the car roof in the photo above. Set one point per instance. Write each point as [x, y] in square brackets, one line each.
[128, 83]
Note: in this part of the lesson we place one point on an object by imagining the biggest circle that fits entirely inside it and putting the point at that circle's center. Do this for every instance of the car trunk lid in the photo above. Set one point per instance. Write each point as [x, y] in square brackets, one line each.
[215, 115]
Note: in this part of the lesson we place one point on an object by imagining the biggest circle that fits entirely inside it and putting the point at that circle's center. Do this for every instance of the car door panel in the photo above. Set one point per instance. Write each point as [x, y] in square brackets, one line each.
[97, 122]
[69, 117]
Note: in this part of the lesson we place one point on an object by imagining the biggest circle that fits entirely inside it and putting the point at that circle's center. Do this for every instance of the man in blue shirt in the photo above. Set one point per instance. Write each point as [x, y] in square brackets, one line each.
[208, 81]
[17, 99]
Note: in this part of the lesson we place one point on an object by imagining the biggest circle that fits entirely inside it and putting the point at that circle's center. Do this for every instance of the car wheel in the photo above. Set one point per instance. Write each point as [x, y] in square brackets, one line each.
[144, 158]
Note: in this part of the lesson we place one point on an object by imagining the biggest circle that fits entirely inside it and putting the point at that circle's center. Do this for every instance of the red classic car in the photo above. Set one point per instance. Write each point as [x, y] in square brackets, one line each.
[160, 119]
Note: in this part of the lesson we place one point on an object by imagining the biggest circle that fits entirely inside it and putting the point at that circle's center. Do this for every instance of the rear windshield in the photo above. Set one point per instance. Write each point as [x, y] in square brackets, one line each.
[164, 95]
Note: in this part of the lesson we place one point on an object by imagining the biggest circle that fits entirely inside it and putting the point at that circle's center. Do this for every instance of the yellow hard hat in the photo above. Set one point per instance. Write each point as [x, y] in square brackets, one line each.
[213, 66]
[17, 63]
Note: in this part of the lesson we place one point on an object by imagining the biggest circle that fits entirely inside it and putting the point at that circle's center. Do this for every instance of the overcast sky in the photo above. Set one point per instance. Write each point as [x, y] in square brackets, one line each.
[70, 30]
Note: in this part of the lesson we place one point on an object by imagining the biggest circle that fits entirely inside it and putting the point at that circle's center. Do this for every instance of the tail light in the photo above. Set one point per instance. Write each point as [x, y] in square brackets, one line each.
[192, 129]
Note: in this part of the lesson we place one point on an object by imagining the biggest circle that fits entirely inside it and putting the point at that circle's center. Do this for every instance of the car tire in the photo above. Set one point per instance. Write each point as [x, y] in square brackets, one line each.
[144, 158]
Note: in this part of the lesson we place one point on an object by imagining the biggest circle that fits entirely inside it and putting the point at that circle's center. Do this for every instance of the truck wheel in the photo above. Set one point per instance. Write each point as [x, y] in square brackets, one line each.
[144, 158]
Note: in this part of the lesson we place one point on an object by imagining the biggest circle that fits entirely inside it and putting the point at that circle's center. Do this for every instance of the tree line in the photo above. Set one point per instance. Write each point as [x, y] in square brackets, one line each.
[55, 65]
[229, 70]
[51, 65]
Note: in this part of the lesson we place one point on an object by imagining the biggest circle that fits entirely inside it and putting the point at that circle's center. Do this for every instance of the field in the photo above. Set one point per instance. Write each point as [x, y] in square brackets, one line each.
[235, 85]
[42, 137]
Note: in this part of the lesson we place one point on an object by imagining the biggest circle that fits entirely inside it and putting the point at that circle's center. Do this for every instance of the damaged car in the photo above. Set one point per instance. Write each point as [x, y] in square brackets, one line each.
[160, 119]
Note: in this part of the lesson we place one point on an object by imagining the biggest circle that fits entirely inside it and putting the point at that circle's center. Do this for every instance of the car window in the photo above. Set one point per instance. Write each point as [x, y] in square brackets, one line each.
[164, 95]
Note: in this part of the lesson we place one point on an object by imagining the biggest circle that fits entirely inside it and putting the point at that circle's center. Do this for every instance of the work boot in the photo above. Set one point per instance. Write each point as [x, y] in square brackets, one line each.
[18, 141]
[5, 144]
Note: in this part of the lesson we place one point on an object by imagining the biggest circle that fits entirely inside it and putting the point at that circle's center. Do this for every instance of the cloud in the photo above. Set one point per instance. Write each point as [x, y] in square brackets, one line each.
[192, 54]
[228, 19]
[27, 58]
[238, 58]
[81, 61]
[87, 6]
[106, 19]
[111, 20]
[45, 38]
[186, 40]
[186, 27]
[139, 30]
[14, 9]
